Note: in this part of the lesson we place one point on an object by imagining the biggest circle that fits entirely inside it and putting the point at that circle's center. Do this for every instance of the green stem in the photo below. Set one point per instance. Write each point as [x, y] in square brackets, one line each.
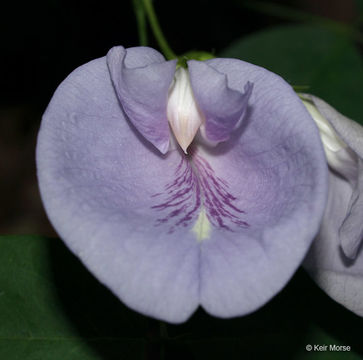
[159, 36]
[141, 21]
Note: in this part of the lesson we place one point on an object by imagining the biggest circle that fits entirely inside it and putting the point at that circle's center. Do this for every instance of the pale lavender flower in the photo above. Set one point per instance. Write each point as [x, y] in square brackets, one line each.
[335, 260]
[222, 221]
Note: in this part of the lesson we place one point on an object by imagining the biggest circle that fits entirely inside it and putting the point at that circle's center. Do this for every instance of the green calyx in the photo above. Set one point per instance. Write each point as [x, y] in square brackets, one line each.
[299, 88]
[193, 55]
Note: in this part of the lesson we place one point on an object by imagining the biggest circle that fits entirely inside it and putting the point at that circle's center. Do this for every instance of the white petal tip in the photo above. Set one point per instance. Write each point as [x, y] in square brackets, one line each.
[182, 111]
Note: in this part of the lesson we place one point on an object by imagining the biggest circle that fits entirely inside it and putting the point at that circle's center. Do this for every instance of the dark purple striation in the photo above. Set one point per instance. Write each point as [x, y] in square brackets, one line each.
[196, 185]
[169, 278]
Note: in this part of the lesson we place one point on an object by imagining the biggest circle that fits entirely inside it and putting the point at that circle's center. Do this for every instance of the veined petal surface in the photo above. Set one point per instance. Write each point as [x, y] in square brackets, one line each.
[98, 177]
[223, 227]
[276, 169]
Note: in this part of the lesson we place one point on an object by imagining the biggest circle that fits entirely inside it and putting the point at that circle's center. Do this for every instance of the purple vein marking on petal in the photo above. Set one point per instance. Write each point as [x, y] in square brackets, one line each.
[196, 184]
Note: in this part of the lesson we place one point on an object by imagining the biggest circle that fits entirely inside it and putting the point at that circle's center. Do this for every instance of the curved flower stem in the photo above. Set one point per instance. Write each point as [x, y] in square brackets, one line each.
[154, 23]
[141, 21]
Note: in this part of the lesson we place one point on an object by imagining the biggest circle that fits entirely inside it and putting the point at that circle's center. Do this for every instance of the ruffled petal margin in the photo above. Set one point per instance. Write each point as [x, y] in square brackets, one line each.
[142, 78]
[223, 107]
[223, 227]
[276, 172]
[99, 180]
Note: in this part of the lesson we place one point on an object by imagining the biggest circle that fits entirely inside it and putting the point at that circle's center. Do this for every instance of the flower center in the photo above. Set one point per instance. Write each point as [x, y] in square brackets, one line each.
[182, 111]
[198, 197]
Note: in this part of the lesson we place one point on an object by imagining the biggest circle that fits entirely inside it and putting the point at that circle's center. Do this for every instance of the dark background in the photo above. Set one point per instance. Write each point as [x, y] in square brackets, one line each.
[42, 42]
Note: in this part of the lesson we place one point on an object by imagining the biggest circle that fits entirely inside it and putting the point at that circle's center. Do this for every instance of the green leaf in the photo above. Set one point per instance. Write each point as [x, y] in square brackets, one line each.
[291, 13]
[52, 308]
[306, 55]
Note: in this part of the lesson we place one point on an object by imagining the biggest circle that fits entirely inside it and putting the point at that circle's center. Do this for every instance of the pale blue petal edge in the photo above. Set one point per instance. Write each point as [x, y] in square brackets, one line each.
[222, 107]
[100, 181]
[335, 260]
[142, 78]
